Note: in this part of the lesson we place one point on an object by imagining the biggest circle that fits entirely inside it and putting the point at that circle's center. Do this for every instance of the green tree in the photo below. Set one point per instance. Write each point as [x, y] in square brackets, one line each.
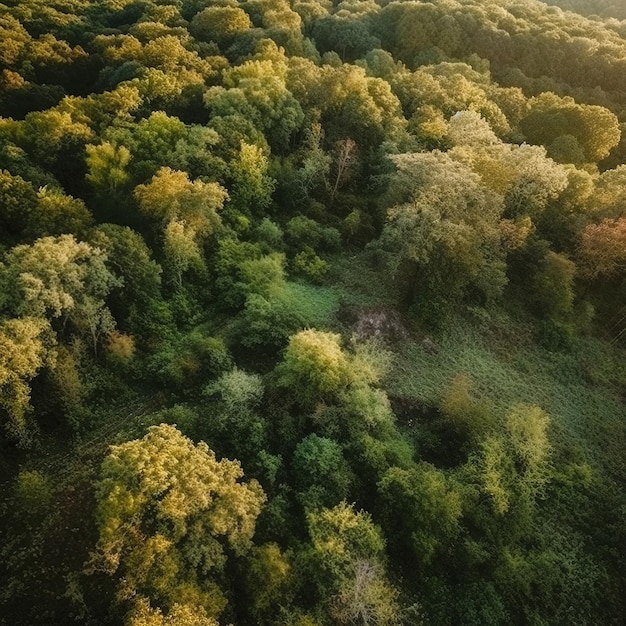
[554, 286]
[53, 135]
[322, 475]
[422, 511]
[132, 261]
[594, 129]
[252, 187]
[58, 213]
[348, 36]
[257, 90]
[268, 578]
[18, 201]
[442, 235]
[511, 469]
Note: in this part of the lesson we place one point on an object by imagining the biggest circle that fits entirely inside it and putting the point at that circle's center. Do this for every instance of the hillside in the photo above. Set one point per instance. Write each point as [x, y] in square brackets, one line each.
[312, 313]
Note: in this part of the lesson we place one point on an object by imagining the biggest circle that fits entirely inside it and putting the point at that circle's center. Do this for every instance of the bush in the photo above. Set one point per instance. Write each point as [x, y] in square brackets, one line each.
[32, 491]
[308, 264]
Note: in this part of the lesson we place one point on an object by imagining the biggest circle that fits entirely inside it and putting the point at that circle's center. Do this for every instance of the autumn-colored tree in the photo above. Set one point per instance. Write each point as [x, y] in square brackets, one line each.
[171, 195]
[168, 515]
[220, 24]
[315, 364]
[24, 349]
[603, 248]
[107, 166]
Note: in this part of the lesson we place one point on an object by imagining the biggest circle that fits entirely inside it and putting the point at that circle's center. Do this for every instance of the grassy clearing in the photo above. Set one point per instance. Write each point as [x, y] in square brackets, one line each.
[359, 282]
[581, 389]
[317, 305]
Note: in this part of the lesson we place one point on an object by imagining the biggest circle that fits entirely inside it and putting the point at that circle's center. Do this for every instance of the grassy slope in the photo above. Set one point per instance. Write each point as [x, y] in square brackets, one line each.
[581, 388]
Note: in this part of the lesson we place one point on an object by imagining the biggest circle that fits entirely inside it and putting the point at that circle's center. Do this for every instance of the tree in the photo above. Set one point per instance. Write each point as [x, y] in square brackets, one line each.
[220, 24]
[267, 577]
[168, 514]
[171, 195]
[603, 248]
[442, 235]
[349, 552]
[252, 187]
[264, 276]
[345, 159]
[181, 249]
[554, 286]
[106, 165]
[18, 201]
[132, 261]
[609, 196]
[511, 468]
[361, 107]
[59, 277]
[315, 166]
[24, 349]
[53, 135]
[142, 614]
[321, 473]
[314, 365]
[58, 213]
[594, 129]
[367, 598]
[422, 511]
[257, 91]
[348, 36]
[524, 174]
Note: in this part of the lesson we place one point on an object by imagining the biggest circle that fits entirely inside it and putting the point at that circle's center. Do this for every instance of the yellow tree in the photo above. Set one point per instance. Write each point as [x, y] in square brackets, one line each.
[187, 211]
[168, 514]
[171, 195]
[315, 364]
[24, 350]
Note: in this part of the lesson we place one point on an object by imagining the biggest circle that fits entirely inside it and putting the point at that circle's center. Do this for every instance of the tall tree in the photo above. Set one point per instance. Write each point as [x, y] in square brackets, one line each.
[442, 235]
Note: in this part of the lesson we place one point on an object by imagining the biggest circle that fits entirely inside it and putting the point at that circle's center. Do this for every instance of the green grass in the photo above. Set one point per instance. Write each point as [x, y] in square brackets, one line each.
[316, 304]
[360, 282]
[580, 389]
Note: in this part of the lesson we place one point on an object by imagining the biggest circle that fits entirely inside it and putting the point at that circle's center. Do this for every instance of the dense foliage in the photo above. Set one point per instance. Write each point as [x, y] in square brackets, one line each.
[312, 312]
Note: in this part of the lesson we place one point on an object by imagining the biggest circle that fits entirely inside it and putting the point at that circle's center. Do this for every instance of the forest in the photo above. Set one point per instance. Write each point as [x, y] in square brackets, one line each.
[312, 312]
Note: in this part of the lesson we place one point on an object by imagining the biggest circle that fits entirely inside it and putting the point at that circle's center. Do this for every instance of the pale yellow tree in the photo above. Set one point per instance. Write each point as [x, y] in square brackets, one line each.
[181, 249]
[60, 277]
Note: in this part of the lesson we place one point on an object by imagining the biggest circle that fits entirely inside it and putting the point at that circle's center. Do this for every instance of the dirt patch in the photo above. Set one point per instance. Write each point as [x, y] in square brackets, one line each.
[385, 324]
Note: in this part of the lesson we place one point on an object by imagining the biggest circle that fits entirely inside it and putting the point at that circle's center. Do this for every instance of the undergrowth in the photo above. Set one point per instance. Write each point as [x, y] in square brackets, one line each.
[580, 388]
